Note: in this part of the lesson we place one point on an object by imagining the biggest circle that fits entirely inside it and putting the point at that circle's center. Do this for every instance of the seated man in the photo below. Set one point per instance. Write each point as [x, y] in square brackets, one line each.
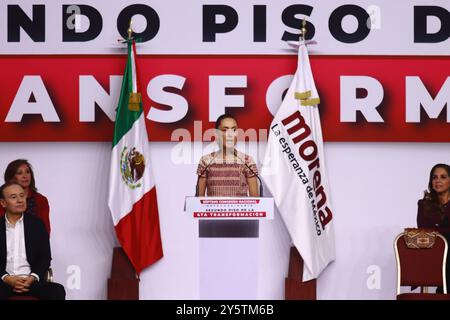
[24, 250]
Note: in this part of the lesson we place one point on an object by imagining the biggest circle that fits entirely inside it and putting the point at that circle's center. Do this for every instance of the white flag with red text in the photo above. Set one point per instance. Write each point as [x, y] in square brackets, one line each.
[294, 171]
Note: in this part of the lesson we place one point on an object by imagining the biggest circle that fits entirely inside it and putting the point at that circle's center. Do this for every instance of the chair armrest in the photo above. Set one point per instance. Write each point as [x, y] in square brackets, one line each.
[49, 275]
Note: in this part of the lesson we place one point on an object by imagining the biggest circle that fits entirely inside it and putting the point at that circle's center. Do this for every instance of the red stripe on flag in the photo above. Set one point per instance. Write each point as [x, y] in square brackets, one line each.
[139, 233]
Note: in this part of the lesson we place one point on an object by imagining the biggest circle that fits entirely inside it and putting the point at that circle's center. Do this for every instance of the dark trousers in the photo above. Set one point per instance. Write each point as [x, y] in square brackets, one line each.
[39, 289]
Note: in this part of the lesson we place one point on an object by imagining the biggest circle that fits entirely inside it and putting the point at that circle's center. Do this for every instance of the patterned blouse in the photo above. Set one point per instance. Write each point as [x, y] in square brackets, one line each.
[226, 177]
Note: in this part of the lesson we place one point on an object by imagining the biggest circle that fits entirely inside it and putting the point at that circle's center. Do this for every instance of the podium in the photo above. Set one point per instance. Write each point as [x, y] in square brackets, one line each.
[228, 244]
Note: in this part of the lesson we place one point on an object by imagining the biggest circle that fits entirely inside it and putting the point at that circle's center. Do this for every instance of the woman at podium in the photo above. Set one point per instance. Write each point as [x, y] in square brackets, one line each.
[228, 247]
[227, 172]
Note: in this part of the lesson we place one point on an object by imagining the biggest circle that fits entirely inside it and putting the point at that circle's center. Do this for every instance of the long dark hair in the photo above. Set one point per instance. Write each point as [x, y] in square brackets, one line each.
[12, 168]
[431, 199]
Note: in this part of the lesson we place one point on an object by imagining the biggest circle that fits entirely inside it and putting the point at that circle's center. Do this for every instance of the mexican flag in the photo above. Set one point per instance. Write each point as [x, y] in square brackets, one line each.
[132, 193]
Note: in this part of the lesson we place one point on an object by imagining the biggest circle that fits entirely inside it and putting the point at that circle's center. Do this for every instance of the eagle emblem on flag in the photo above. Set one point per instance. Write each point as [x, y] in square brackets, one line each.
[132, 167]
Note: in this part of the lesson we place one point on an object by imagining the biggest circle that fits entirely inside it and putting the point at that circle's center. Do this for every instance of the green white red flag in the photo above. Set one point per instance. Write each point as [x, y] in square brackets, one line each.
[132, 193]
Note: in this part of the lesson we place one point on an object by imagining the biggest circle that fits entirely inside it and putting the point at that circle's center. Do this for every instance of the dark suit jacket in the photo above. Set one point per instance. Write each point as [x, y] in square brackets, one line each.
[37, 245]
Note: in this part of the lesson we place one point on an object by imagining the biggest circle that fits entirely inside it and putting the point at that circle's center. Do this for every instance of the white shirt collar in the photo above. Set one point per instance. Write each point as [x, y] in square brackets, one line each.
[8, 223]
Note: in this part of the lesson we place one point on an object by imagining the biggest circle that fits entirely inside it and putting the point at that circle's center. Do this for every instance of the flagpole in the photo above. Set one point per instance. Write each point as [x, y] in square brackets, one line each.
[130, 30]
[303, 30]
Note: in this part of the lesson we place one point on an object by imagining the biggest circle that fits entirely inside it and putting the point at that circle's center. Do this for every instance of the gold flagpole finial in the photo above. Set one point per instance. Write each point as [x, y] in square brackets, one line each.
[134, 99]
[130, 30]
[303, 30]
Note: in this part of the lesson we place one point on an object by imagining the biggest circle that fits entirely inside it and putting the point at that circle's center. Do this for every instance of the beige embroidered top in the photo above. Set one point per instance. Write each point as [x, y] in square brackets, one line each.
[227, 177]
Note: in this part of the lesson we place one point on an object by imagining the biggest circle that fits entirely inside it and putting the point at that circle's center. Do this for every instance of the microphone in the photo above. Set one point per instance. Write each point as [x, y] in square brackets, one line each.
[251, 170]
[202, 172]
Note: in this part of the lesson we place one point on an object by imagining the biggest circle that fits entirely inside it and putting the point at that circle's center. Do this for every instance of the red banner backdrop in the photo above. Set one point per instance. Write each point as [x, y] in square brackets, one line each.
[60, 75]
